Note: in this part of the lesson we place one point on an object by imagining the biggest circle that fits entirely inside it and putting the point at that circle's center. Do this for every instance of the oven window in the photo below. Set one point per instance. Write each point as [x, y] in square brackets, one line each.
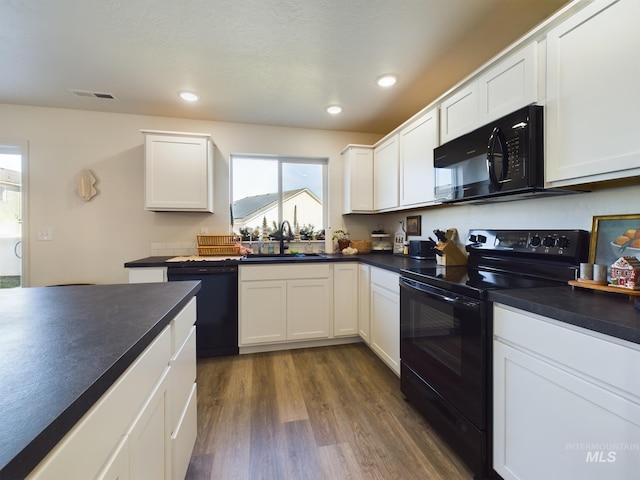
[438, 334]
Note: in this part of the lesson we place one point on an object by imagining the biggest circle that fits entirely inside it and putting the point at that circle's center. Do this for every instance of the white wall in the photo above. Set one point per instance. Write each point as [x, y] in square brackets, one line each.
[92, 241]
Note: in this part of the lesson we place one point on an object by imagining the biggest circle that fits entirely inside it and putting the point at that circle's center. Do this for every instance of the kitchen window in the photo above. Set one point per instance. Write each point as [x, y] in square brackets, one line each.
[267, 190]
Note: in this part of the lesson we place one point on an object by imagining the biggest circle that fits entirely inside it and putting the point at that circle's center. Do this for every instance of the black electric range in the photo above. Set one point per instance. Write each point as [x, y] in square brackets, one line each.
[506, 259]
[446, 328]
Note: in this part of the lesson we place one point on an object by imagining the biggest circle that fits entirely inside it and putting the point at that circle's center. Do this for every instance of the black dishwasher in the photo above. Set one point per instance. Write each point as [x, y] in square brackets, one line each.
[217, 307]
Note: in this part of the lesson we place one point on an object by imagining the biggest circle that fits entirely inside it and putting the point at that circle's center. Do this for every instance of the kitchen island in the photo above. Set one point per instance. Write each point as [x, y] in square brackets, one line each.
[62, 348]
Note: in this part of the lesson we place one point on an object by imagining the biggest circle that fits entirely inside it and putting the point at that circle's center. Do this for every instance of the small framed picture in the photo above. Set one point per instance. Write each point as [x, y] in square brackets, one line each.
[414, 225]
[614, 236]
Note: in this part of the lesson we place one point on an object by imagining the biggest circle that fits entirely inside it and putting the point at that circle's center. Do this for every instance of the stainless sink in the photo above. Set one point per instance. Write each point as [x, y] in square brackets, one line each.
[276, 257]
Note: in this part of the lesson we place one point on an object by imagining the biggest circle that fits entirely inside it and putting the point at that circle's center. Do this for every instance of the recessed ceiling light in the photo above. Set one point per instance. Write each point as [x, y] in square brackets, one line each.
[334, 109]
[386, 81]
[189, 96]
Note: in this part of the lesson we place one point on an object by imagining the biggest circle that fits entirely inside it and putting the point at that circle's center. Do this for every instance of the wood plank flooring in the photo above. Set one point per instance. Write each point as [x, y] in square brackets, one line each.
[318, 413]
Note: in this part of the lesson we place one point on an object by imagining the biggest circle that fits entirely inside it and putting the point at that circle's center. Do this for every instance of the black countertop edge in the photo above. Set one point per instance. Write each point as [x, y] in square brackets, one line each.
[33, 453]
[607, 313]
[387, 261]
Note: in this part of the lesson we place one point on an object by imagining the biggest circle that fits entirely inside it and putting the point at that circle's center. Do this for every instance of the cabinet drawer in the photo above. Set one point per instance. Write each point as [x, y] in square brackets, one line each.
[575, 348]
[117, 467]
[284, 272]
[385, 279]
[183, 375]
[147, 275]
[181, 325]
[184, 437]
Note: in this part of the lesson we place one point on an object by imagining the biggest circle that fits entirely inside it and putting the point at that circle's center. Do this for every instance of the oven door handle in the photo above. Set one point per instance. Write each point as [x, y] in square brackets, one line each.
[438, 294]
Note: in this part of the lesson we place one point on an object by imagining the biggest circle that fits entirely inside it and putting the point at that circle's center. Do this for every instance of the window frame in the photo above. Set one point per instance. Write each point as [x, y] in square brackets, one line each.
[282, 160]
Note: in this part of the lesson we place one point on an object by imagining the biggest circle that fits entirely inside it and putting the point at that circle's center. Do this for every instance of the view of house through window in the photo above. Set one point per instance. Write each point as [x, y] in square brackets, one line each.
[267, 190]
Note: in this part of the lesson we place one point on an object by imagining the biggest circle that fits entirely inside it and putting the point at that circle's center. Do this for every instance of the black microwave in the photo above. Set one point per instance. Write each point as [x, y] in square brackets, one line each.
[495, 162]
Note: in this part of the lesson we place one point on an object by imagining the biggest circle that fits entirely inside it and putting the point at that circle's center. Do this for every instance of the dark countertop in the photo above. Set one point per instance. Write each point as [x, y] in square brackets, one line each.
[61, 348]
[388, 261]
[609, 313]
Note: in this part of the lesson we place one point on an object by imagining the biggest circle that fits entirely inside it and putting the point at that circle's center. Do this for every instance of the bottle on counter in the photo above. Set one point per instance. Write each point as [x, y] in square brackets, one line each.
[328, 240]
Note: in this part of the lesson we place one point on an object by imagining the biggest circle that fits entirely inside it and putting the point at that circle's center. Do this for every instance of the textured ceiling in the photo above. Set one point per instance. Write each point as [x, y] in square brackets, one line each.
[273, 62]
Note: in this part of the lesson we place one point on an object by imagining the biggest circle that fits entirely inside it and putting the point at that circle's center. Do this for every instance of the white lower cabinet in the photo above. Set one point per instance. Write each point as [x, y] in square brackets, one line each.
[385, 317]
[566, 400]
[117, 467]
[149, 436]
[131, 432]
[309, 308]
[147, 274]
[263, 311]
[364, 302]
[184, 435]
[281, 303]
[345, 299]
[183, 404]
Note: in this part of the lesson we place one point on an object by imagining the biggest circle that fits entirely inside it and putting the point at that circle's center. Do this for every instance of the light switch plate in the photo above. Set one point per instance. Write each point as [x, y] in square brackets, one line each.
[45, 234]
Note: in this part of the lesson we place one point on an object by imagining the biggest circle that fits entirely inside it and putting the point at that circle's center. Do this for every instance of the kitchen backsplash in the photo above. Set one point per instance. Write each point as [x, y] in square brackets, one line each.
[173, 249]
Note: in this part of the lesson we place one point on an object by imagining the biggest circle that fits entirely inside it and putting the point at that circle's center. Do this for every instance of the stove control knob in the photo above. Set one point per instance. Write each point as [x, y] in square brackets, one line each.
[548, 242]
[563, 242]
[482, 239]
[535, 241]
[473, 238]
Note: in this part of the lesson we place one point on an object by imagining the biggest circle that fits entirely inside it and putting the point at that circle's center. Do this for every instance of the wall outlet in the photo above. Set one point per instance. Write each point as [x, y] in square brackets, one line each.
[204, 230]
[45, 234]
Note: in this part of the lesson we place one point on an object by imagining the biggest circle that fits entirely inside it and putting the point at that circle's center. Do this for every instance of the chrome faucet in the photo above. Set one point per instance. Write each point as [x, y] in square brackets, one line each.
[282, 235]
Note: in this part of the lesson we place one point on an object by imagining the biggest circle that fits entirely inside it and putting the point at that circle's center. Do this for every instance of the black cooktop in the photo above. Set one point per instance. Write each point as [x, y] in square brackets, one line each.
[472, 281]
[509, 259]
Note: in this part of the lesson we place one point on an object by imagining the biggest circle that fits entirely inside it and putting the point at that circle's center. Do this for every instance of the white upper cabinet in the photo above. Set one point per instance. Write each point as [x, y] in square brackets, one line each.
[593, 78]
[459, 112]
[509, 85]
[385, 175]
[178, 171]
[504, 87]
[417, 141]
[358, 178]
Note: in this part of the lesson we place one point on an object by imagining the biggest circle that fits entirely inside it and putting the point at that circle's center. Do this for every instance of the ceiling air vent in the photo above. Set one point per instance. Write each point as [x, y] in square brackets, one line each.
[85, 93]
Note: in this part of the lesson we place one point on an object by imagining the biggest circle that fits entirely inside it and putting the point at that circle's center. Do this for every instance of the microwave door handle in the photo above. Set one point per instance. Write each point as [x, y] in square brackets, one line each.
[497, 145]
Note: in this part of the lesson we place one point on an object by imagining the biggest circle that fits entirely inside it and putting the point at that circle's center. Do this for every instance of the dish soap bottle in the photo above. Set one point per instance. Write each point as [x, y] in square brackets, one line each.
[399, 240]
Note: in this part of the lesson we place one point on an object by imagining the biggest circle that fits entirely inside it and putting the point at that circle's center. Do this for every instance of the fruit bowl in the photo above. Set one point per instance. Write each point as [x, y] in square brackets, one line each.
[621, 251]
